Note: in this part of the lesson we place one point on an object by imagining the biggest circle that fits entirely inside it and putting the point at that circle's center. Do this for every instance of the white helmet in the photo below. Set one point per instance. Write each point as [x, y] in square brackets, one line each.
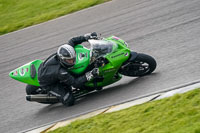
[66, 55]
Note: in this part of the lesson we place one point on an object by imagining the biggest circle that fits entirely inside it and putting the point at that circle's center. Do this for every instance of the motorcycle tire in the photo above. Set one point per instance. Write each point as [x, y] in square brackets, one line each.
[31, 89]
[142, 65]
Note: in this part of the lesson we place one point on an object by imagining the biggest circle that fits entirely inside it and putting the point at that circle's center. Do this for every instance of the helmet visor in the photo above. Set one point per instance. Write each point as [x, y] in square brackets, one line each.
[69, 61]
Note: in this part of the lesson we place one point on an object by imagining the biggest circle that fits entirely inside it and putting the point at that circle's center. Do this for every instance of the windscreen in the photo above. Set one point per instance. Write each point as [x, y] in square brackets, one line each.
[102, 47]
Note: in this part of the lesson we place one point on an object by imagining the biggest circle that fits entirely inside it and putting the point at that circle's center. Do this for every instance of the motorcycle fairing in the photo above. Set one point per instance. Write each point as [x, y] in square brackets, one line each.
[110, 71]
[82, 60]
[27, 73]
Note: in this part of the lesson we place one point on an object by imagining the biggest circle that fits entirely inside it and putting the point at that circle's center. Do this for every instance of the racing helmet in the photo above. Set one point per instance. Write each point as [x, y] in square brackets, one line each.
[66, 55]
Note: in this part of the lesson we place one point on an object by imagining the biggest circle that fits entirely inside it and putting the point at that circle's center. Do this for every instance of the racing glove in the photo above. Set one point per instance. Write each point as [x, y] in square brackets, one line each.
[92, 74]
[92, 35]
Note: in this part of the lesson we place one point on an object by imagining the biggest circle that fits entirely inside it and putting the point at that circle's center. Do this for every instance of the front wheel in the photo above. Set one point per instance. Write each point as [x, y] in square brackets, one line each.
[142, 65]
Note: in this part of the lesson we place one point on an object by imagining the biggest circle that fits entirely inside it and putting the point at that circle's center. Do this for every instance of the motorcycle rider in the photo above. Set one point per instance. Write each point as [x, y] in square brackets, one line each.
[53, 73]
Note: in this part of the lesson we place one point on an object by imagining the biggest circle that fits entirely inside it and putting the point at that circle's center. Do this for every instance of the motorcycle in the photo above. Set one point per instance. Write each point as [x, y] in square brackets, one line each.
[111, 55]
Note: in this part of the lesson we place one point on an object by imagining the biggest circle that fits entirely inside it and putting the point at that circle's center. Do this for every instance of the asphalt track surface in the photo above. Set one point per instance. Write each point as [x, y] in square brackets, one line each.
[169, 30]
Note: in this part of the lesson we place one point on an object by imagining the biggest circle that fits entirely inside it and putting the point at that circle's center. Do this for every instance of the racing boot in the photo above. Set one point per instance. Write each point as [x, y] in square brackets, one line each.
[64, 94]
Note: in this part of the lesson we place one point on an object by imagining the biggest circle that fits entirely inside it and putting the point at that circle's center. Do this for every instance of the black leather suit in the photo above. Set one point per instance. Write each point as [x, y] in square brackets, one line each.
[54, 77]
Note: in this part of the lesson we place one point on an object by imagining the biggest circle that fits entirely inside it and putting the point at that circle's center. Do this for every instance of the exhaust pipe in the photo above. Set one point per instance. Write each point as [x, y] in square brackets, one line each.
[42, 98]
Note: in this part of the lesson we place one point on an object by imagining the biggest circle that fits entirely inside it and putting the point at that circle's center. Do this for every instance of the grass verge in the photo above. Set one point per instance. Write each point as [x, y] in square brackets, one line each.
[177, 114]
[18, 14]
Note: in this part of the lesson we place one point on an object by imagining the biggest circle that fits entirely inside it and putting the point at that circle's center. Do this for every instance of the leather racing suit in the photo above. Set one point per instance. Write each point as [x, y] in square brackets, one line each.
[54, 77]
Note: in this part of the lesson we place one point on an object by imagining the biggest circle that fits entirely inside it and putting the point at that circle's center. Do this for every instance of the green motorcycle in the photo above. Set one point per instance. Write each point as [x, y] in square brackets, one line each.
[111, 55]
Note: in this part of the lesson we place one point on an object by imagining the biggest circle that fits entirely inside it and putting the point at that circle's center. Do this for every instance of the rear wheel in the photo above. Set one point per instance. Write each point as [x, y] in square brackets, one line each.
[31, 89]
[141, 66]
